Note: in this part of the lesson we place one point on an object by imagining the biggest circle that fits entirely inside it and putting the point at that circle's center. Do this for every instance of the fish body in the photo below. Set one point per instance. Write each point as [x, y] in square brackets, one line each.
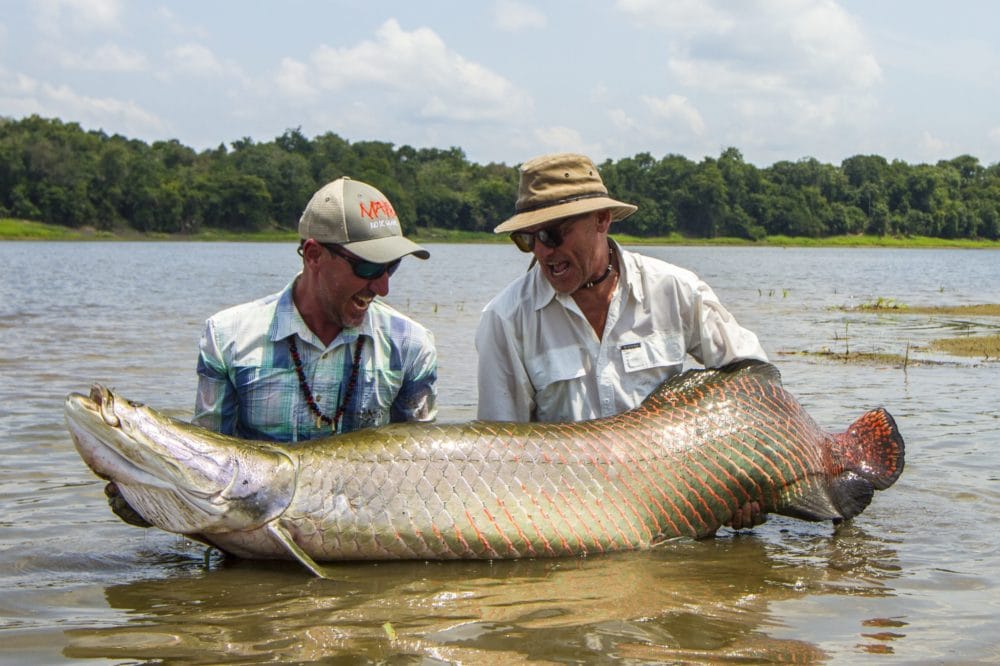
[698, 448]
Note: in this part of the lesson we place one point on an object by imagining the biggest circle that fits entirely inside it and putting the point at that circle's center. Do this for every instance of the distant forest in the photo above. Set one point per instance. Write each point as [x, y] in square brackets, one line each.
[56, 172]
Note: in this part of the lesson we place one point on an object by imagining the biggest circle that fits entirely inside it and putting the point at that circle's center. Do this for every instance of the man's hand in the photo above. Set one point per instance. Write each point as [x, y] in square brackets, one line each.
[122, 508]
[747, 516]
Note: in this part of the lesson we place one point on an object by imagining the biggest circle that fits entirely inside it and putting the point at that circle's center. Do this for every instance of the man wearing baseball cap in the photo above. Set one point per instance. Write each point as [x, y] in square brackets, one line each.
[325, 354]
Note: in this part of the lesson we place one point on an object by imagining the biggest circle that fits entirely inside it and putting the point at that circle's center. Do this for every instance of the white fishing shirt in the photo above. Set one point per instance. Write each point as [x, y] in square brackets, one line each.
[541, 360]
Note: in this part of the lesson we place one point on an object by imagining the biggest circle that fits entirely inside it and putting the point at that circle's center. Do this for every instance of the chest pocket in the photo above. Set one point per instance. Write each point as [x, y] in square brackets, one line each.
[660, 350]
[556, 365]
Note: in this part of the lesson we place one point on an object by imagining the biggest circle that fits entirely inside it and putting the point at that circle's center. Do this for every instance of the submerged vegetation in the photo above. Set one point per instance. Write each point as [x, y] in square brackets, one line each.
[976, 346]
[985, 347]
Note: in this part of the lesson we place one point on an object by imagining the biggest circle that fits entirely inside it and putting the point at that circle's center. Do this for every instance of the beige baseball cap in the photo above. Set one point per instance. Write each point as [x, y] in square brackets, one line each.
[360, 218]
[557, 186]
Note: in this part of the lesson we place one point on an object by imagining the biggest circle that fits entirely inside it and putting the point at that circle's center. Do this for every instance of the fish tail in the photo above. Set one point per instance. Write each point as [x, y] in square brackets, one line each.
[869, 456]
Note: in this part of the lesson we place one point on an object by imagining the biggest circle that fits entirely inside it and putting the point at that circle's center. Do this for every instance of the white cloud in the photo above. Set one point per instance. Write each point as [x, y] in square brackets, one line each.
[292, 80]
[621, 120]
[404, 73]
[513, 16]
[199, 60]
[22, 95]
[790, 48]
[994, 135]
[558, 139]
[782, 67]
[931, 144]
[676, 109]
[52, 16]
[682, 16]
[105, 58]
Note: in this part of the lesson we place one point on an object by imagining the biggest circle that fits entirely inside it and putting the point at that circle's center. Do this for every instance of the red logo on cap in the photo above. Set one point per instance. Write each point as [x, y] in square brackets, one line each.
[377, 209]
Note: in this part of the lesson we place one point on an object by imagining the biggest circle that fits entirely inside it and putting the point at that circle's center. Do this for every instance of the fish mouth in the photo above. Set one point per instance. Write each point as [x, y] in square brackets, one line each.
[176, 476]
[88, 418]
[104, 404]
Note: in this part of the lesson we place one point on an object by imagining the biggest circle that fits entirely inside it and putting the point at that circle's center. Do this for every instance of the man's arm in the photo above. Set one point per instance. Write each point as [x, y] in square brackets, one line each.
[505, 391]
[216, 401]
[715, 337]
[417, 397]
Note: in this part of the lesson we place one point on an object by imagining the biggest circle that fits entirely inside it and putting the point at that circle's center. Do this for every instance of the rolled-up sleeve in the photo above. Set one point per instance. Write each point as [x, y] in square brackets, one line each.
[716, 337]
[417, 397]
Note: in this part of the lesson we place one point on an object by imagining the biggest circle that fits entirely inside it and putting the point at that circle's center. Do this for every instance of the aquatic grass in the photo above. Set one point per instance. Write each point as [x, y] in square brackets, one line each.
[881, 304]
[986, 347]
[901, 361]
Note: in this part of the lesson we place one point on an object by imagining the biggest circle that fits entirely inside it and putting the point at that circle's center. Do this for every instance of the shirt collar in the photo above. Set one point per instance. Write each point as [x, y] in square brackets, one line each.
[542, 291]
[629, 277]
[288, 321]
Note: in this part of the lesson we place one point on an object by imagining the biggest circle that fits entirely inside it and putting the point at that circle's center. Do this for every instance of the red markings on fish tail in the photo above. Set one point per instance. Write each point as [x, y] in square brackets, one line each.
[873, 448]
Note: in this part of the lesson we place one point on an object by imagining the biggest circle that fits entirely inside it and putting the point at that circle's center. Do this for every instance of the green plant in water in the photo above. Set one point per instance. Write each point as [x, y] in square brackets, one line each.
[882, 303]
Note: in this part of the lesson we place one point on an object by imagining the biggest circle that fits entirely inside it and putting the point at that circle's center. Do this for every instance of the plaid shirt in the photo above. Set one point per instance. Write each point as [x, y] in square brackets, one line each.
[248, 387]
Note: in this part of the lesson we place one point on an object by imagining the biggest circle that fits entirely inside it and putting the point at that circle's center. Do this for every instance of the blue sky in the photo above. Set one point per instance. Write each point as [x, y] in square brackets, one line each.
[507, 80]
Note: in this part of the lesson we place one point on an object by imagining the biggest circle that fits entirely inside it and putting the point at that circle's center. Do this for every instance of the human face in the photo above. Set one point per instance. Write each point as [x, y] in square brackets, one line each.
[571, 250]
[342, 295]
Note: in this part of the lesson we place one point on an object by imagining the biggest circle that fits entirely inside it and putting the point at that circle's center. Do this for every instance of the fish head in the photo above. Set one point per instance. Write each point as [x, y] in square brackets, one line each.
[179, 477]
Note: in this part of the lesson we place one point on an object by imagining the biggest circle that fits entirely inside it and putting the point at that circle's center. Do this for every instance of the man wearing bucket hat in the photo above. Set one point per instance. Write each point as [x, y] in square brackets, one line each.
[324, 354]
[591, 328]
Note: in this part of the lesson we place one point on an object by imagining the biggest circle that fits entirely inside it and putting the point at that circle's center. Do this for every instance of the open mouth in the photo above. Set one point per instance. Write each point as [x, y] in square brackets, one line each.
[558, 269]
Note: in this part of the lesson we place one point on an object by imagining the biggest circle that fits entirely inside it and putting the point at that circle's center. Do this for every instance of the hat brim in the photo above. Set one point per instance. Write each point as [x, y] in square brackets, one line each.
[386, 250]
[532, 218]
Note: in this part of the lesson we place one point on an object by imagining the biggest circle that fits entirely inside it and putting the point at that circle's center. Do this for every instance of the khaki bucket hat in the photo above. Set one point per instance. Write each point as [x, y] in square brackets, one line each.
[557, 186]
[360, 218]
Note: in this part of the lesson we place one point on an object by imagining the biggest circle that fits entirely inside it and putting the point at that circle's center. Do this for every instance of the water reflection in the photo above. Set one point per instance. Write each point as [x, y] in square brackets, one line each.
[919, 581]
[680, 601]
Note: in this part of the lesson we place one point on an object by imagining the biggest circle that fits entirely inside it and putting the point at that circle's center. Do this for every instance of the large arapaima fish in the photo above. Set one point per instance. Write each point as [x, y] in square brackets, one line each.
[698, 449]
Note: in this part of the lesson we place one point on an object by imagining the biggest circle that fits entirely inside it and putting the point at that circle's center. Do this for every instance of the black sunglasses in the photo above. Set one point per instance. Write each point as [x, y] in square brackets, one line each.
[364, 269]
[549, 237]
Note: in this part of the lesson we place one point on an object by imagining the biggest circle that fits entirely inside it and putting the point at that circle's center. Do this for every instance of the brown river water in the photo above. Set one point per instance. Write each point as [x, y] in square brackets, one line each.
[915, 579]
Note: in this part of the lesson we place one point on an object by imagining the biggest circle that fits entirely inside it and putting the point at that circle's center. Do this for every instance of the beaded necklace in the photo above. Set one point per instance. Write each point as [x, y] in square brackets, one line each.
[607, 271]
[307, 392]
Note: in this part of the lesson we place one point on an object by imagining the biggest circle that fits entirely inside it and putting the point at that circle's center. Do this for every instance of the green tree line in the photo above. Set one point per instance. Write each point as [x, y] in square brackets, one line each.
[56, 172]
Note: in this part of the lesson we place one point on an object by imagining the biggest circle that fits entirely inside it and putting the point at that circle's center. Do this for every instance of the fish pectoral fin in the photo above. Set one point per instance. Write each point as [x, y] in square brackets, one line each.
[852, 493]
[806, 500]
[282, 535]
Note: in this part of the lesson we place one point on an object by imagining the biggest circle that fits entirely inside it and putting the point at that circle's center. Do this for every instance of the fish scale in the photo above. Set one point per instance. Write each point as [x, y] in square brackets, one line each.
[700, 447]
